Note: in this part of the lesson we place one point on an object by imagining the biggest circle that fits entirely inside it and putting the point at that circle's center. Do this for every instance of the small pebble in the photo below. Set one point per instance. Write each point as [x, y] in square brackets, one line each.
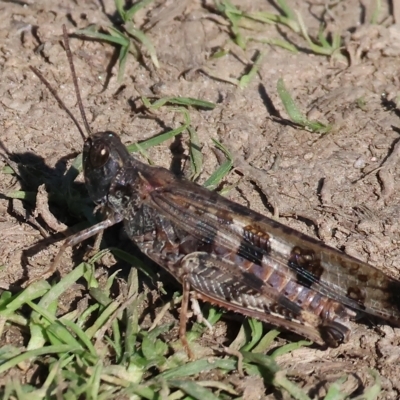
[308, 156]
[359, 163]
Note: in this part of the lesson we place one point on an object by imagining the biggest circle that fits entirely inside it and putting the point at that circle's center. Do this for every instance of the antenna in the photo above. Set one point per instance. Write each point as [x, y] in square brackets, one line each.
[75, 80]
[60, 102]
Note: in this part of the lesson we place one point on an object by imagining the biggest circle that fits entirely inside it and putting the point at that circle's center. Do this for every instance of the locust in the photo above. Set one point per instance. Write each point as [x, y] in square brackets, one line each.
[224, 253]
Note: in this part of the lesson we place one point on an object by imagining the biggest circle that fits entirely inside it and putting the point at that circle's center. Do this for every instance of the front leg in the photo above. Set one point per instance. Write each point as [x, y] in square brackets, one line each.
[73, 241]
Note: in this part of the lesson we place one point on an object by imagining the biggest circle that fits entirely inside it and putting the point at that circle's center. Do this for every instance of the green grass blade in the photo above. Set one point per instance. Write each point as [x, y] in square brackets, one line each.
[135, 8]
[322, 39]
[287, 11]
[289, 104]
[277, 42]
[256, 332]
[374, 391]
[195, 154]
[181, 101]
[32, 292]
[156, 140]
[195, 367]
[335, 390]
[58, 289]
[102, 319]
[376, 12]
[234, 15]
[115, 36]
[268, 18]
[265, 343]
[8, 170]
[22, 195]
[262, 360]
[295, 114]
[119, 5]
[81, 335]
[193, 389]
[60, 349]
[216, 177]
[295, 392]
[56, 327]
[122, 58]
[247, 78]
[142, 38]
[287, 348]
[94, 381]
[223, 170]
[134, 261]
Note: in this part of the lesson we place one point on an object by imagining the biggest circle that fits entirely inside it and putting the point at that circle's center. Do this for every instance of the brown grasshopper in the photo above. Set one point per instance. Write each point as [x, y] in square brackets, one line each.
[225, 253]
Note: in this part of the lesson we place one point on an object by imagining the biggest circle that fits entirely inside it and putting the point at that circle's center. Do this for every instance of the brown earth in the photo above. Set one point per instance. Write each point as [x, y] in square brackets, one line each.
[339, 187]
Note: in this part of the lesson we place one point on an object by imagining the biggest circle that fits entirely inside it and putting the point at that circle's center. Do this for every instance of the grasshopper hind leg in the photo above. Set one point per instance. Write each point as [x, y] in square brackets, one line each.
[183, 317]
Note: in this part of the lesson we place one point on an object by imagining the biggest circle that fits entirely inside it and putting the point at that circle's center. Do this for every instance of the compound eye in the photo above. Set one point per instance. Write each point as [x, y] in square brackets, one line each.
[99, 155]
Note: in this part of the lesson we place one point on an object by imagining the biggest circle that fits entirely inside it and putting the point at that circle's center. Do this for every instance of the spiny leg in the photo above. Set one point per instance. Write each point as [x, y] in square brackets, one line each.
[73, 241]
[220, 281]
[183, 317]
[195, 306]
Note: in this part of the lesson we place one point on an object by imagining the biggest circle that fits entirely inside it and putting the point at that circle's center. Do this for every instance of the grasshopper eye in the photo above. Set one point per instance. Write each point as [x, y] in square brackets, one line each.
[99, 155]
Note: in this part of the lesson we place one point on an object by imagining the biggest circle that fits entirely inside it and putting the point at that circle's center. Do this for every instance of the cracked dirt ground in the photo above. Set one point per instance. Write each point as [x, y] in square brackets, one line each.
[340, 187]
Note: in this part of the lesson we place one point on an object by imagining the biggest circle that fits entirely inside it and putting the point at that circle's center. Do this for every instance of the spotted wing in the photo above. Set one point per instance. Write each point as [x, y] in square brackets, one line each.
[214, 219]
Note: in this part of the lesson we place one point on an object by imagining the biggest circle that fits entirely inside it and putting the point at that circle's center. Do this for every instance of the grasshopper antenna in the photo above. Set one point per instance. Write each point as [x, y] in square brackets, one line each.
[77, 92]
[75, 80]
[59, 101]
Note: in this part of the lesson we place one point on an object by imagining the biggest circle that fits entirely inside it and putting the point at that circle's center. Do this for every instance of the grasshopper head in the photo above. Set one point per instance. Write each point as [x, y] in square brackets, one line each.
[103, 157]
